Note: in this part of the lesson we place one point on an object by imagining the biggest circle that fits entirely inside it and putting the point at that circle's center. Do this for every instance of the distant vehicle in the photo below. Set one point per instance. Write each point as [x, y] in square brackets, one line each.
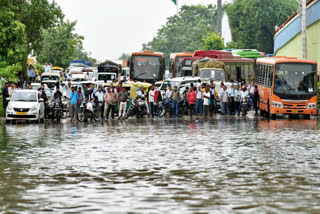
[50, 76]
[125, 72]
[36, 86]
[89, 72]
[77, 77]
[25, 105]
[158, 84]
[56, 69]
[178, 81]
[214, 74]
[147, 66]
[247, 53]
[108, 72]
[287, 85]
[176, 62]
[51, 83]
[79, 63]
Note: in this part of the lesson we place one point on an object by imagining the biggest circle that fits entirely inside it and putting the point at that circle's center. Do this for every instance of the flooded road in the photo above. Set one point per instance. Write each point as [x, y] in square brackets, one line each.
[162, 166]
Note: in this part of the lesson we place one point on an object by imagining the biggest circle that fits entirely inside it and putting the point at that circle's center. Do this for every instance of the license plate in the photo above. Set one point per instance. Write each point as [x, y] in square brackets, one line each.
[21, 113]
[294, 111]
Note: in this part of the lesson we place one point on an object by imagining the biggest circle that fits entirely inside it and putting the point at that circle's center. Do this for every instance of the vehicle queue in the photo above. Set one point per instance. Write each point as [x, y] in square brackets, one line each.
[278, 85]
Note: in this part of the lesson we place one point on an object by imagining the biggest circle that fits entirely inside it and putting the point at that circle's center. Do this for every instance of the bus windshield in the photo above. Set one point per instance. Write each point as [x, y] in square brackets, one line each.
[179, 60]
[295, 78]
[146, 68]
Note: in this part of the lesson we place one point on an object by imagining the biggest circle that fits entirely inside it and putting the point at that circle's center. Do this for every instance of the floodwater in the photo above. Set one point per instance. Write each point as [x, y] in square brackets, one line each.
[226, 165]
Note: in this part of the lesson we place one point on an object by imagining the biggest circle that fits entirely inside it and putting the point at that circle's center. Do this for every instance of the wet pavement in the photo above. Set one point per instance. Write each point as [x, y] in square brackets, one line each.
[225, 165]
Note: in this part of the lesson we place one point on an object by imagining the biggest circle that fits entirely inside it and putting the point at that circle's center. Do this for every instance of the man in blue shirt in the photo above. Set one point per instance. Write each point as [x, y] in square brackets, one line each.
[73, 103]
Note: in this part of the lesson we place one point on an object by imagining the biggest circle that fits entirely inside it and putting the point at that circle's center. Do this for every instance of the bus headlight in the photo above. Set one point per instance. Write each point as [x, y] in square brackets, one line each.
[312, 105]
[277, 104]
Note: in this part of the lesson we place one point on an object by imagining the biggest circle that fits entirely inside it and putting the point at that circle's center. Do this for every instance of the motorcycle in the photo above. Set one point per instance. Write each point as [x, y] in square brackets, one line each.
[138, 107]
[166, 107]
[90, 111]
[56, 110]
[245, 105]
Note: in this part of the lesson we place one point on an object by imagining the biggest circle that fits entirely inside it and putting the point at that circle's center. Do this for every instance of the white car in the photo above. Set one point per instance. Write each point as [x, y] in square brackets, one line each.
[25, 105]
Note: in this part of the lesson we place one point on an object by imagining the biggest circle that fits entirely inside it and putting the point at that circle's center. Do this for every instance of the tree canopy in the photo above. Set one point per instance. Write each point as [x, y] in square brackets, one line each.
[252, 21]
[184, 31]
[59, 44]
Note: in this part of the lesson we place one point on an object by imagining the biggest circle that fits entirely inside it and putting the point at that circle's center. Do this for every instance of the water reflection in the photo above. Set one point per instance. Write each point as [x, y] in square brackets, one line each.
[225, 165]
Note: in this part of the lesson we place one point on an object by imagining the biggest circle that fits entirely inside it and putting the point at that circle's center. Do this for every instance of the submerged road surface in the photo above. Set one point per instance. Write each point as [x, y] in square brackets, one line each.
[162, 166]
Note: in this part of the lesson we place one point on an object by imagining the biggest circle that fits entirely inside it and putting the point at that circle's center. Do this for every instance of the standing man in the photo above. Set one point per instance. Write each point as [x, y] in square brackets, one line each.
[175, 98]
[231, 99]
[31, 73]
[199, 100]
[206, 100]
[169, 91]
[106, 101]
[112, 101]
[67, 89]
[100, 95]
[213, 98]
[20, 81]
[123, 96]
[151, 100]
[192, 101]
[256, 99]
[224, 100]
[73, 101]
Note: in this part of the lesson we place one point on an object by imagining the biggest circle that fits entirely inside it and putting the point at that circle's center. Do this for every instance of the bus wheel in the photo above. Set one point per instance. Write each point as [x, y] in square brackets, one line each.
[306, 116]
[262, 113]
[273, 116]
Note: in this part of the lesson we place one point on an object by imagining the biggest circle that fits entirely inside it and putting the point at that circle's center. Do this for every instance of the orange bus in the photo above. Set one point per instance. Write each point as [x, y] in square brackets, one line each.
[147, 66]
[176, 62]
[287, 85]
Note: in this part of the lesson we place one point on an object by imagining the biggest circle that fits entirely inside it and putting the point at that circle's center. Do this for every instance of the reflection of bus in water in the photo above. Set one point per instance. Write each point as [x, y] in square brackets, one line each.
[236, 68]
[176, 63]
[287, 85]
[147, 66]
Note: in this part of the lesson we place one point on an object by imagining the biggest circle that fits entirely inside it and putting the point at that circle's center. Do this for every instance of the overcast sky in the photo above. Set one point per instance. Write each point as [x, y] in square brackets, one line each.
[113, 27]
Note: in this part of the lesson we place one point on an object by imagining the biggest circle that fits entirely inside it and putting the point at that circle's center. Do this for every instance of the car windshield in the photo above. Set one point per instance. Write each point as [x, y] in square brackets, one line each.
[216, 75]
[24, 96]
[106, 77]
[56, 78]
[146, 68]
[295, 78]
[166, 84]
[51, 84]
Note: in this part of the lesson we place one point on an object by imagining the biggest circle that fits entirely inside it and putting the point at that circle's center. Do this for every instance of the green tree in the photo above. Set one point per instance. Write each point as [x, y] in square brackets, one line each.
[36, 15]
[212, 42]
[58, 44]
[184, 31]
[80, 53]
[252, 21]
[124, 56]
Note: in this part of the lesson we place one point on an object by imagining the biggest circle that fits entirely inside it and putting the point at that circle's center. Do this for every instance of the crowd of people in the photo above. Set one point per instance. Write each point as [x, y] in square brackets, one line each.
[201, 99]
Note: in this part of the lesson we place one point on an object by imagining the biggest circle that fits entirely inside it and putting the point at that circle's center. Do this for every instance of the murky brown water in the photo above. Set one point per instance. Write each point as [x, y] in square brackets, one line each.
[168, 166]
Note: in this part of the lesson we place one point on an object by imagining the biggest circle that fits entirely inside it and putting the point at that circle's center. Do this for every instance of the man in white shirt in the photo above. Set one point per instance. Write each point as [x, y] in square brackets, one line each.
[224, 100]
[231, 100]
[99, 94]
[206, 100]
[143, 95]
[67, 90]
[169, 91]
[151, 99]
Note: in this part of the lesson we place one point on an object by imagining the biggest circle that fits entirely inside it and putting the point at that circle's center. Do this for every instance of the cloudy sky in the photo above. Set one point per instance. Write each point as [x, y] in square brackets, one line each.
[113, 27]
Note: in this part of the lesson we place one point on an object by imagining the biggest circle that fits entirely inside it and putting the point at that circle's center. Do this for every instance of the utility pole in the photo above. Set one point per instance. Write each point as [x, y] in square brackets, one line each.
[303, 13]
[219, 17]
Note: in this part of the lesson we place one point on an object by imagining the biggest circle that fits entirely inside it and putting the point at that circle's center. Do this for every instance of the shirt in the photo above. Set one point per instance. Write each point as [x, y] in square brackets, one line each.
[206, 100]
[123, 96]
[151, 96]
[68, 90]
[175, 95]
[244, 94]
[99, 95]
[31, 73]
[192, 97]
[231, 92]
[199, 95]
[224, 96]
[236, 95]
[168, 93]
[73, 97]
